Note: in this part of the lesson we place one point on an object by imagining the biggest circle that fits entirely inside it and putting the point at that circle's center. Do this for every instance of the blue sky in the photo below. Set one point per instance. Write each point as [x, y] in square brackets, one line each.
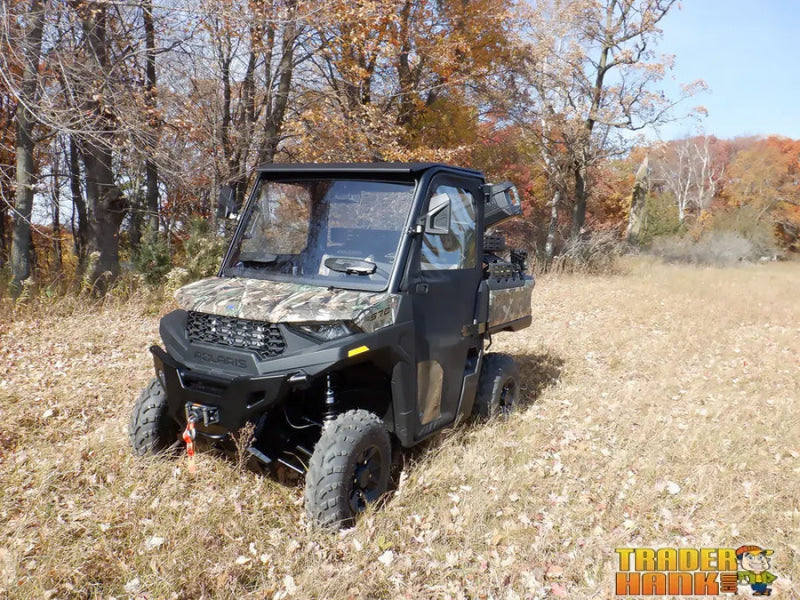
[748, 52]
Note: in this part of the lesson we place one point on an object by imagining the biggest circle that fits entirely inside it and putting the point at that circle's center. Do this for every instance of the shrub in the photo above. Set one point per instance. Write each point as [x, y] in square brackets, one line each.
[736, 235]
[204, 250]
[661, 217]
[749, 224]
[715, 248]
[595, 254]
[176, 278]
[153, 258]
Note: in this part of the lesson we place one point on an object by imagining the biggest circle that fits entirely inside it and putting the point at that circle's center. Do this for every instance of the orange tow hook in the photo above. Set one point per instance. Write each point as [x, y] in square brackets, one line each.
[188, 437]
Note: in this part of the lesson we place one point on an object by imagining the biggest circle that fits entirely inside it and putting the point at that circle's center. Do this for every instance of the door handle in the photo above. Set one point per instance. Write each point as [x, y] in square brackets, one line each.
[421, 289]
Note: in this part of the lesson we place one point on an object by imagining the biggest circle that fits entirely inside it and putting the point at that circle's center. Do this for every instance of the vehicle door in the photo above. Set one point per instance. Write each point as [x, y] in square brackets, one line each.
[444, 277]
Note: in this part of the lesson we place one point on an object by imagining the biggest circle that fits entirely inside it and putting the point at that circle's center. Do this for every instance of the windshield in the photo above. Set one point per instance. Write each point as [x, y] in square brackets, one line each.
[340, 232]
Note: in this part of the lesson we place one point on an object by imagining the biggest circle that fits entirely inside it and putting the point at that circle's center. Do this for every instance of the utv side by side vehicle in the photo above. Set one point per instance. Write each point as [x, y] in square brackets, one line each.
[351, 312]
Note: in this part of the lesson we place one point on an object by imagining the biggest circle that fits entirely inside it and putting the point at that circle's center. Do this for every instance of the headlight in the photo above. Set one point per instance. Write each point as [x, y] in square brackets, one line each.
[327, 331]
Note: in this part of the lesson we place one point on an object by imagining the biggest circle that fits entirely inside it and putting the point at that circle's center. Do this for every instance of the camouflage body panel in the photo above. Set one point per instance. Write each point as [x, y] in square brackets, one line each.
[381, 313]
[282, 302]
[510, 304]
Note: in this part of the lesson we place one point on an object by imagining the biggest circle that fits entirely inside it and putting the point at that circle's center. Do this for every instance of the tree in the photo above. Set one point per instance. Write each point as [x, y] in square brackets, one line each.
[82, 89]
[101, 95]
[80, 229]
[106, 203]
[591, 75]
[142, 110]
[764, 177]
[241, 83]
[154, 121]
[641, 186]
[401, 78]
[27, 97]
[7, 153]
[690, 172]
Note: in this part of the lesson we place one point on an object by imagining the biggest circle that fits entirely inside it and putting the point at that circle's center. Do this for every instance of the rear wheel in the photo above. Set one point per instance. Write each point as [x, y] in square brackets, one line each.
[348, 469]
[151, 429]
[498, 386]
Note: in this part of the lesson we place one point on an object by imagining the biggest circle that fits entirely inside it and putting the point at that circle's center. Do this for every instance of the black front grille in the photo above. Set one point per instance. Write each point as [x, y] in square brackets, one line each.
[264, 339]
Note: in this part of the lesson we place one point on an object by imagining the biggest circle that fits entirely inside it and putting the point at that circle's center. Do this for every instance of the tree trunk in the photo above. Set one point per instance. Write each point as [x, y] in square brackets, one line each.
[579, 209]
[56, 207]
[80, 235]
[106, 211]
[3, 217]
[6, 200]
[550, 244]
[224, 177]
[581, 191]
[21, 236]
[138, 215]
[276, 111]
[105, 202]
[405, 73]
[224, 130]
[23, 207]
[638, 198]
[150, 166]
[244, 126]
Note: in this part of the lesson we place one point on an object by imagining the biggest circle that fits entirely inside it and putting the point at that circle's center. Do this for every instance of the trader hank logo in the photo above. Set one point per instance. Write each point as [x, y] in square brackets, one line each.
[694, 571]
[754, 572]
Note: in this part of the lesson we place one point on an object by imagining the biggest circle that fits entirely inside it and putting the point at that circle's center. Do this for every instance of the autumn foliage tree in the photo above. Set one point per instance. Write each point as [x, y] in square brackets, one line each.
[690, 171]
[764, 177]
[400, 77]
[590, 75]
[242, 82]
[135, 114]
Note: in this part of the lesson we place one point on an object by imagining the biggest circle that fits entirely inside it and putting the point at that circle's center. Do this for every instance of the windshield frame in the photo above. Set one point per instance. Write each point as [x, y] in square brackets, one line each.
[351, 282]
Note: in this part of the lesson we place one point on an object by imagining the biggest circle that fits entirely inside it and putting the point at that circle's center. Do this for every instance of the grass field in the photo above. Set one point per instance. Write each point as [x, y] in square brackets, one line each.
[661, 410]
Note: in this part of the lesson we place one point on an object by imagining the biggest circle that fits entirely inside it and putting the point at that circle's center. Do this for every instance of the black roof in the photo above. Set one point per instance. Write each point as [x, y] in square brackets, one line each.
[387, 168]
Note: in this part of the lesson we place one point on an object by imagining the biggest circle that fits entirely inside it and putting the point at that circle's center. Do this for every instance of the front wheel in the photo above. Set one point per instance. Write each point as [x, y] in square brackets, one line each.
[498, 386]
[348, 469]
[151, 429]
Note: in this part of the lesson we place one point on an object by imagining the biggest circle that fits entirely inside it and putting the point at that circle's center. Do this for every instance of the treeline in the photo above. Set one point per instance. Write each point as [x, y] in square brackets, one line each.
[705, 199]
[122, 120]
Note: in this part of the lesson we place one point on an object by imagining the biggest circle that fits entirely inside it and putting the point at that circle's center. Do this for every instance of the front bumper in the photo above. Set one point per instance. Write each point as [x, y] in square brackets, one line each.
[237, 400]
[235, 386]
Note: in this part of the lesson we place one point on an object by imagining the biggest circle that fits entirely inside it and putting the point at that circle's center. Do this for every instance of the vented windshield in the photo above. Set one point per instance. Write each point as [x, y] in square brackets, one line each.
[340, 232]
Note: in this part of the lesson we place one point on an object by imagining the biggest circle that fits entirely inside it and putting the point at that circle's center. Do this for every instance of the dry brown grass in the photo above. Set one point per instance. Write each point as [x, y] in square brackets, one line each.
[634, 382]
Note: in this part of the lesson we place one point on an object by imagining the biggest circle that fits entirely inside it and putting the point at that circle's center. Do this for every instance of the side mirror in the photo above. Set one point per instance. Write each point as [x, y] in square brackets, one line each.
[502, 202]
[226, 204]
[437, 221]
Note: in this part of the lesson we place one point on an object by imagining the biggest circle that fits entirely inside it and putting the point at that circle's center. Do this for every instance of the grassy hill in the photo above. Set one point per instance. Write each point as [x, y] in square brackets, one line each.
[661, 410]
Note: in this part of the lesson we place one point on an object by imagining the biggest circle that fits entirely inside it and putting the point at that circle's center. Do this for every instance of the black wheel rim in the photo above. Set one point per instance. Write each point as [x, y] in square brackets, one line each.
[507, 397]
[366, 479]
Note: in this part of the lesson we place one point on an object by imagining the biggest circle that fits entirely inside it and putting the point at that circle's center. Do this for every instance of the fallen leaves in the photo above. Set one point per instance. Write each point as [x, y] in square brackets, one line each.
[670, 487]
[153, 543]
[530, 507]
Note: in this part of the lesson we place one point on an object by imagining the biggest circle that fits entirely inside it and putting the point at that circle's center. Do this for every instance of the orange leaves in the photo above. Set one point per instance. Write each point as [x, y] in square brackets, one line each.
[397, 72]
[613, 193]
[765, 173]
[764, 176]
[746, 185]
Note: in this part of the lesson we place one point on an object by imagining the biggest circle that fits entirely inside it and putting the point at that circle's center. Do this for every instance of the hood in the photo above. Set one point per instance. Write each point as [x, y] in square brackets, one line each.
[276, 301]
